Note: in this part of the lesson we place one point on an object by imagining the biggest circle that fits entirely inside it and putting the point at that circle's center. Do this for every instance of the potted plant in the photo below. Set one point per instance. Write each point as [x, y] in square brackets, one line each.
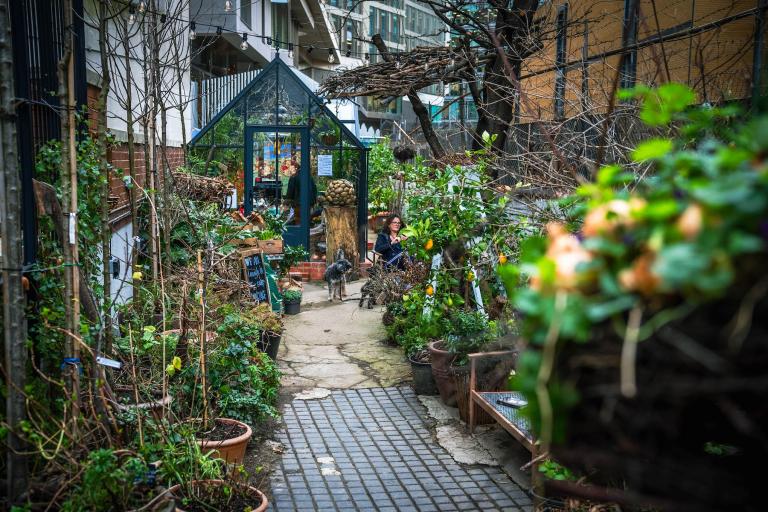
[218, 495]
[465, 332]
[235, 381]
[292, 302]
[142, 356]
[423, 378]
[271, 329]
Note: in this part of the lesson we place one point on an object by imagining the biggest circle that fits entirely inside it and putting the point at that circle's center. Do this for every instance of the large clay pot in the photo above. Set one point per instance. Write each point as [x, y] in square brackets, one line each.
[441, 369]
[156, 406]
[231, 450]
[175, 491]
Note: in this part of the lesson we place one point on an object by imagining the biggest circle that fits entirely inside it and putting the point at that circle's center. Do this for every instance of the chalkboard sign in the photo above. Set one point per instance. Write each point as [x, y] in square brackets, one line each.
[256, 275]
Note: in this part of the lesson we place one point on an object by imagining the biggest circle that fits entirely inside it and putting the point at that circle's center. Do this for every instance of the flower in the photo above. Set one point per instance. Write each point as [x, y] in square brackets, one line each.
[607, 217]
[690, 221]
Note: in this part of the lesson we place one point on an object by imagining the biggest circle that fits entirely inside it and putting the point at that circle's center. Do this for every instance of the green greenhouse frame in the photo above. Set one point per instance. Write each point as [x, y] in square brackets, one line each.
[281, 145]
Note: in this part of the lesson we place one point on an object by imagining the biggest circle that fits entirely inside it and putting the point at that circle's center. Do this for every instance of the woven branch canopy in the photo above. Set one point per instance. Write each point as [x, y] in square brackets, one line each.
[421, 67]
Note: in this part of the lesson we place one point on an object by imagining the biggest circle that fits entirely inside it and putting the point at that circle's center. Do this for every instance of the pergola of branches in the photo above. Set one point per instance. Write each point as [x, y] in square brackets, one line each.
[419, 68]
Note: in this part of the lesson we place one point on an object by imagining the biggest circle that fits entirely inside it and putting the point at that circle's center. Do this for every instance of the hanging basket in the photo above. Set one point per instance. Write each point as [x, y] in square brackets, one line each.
[404, 153]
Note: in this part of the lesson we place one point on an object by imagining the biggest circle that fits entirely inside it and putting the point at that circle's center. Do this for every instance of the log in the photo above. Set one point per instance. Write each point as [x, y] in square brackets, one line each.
[341, 233]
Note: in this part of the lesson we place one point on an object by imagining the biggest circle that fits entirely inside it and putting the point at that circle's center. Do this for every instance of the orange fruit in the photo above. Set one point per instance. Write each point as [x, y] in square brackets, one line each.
[502, 259]
[430, 290]
[470, 276]
[429, 244]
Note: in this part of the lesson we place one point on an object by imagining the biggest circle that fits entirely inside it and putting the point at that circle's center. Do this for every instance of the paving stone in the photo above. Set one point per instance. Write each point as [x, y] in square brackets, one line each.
[387, 460]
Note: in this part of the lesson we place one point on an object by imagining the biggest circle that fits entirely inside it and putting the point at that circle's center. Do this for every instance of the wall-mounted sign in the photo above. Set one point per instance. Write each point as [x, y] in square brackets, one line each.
[325, 165]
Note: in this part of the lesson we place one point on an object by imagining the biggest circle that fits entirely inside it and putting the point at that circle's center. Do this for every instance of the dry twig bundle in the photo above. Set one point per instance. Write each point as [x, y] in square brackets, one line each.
[202, 188]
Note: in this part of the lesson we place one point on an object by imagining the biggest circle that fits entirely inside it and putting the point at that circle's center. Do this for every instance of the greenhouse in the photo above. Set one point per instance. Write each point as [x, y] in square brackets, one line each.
[281, 146]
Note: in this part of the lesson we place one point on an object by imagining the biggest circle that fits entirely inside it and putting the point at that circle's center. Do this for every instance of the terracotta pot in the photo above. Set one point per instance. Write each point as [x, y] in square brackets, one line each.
[247, 489]
[231, 450]
[441, 369]
[156, 407]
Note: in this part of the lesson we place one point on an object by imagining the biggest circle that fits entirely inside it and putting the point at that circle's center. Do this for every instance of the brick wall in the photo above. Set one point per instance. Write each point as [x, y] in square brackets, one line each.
[119, 159]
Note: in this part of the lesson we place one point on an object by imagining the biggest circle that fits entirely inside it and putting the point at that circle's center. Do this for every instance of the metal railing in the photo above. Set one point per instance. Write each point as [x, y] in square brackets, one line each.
[213, 94]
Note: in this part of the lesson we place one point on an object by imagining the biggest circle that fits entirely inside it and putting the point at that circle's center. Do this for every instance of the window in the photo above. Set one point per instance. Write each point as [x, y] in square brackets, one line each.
[629, 66]
[245, 12]
[395, 28]
[280, 24]
[372, 20]
[562, 22]
[384, 24]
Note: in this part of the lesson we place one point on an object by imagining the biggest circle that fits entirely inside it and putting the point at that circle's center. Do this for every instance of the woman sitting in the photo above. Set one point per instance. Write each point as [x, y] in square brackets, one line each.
[388, 243]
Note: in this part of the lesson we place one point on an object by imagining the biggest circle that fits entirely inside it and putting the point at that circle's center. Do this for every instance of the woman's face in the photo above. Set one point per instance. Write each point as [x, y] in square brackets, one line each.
[394, 226]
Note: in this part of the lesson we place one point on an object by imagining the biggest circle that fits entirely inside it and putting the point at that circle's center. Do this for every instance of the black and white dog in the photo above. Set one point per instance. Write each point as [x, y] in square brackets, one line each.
[336, 276]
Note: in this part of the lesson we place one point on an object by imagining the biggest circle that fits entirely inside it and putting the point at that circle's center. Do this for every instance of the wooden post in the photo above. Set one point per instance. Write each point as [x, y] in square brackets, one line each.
[341, 233]
[14, 320]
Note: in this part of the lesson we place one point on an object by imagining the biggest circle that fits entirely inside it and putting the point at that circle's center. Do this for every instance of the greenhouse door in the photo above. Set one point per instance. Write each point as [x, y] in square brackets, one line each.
[277, 178]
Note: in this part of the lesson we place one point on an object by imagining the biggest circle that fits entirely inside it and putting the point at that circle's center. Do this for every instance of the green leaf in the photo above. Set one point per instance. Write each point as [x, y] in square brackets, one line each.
[652, 149]
[739, 242]
[601, 311]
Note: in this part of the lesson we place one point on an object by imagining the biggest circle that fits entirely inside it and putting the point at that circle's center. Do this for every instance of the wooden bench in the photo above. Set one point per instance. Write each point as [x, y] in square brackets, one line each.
[510, 418]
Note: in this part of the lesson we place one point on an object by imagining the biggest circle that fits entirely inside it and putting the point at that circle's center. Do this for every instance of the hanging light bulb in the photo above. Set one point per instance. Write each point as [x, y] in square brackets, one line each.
[367, 59]
[228, 6]
[142, 7]
[269, 41]
[131, 15]
[244, 44]
[349, 52]
[290, 51]
[331, 58]
[162, 19]
[309, 50]
[218, 31]
[192, 33]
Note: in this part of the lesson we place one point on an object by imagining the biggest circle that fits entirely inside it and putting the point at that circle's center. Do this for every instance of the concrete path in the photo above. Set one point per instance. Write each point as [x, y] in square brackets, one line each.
[357, 438]
[338, 345]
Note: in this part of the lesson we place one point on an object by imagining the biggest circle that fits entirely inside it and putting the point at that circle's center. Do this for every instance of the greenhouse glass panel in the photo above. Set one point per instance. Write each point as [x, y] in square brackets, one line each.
[281, 147]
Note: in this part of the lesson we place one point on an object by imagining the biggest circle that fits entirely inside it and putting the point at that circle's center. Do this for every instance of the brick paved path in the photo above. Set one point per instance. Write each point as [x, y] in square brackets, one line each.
[371, 449]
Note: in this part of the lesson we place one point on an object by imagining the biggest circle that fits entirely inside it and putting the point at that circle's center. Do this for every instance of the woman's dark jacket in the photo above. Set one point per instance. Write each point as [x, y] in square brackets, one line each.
[388, 250]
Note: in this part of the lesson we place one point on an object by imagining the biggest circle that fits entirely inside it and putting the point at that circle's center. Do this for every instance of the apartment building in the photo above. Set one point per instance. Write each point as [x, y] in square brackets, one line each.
[403, 25]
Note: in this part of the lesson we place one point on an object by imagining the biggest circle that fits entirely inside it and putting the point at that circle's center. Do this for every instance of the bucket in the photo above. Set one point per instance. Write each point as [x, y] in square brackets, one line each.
[423, 380]
[270, 343]
[292, 308]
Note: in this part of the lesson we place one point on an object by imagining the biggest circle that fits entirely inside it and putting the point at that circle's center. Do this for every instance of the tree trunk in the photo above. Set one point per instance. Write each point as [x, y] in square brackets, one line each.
[106, 229]
[419, 109]
[14, 320]
[133, 189]
[341, 233]
[71, 371]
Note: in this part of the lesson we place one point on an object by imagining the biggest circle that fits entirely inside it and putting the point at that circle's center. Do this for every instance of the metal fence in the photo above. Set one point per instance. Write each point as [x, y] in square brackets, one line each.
[213, 94]
[37, 36]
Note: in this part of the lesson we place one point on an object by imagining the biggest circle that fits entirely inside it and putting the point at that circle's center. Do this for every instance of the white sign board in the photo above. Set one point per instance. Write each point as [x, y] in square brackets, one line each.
[325, 165]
